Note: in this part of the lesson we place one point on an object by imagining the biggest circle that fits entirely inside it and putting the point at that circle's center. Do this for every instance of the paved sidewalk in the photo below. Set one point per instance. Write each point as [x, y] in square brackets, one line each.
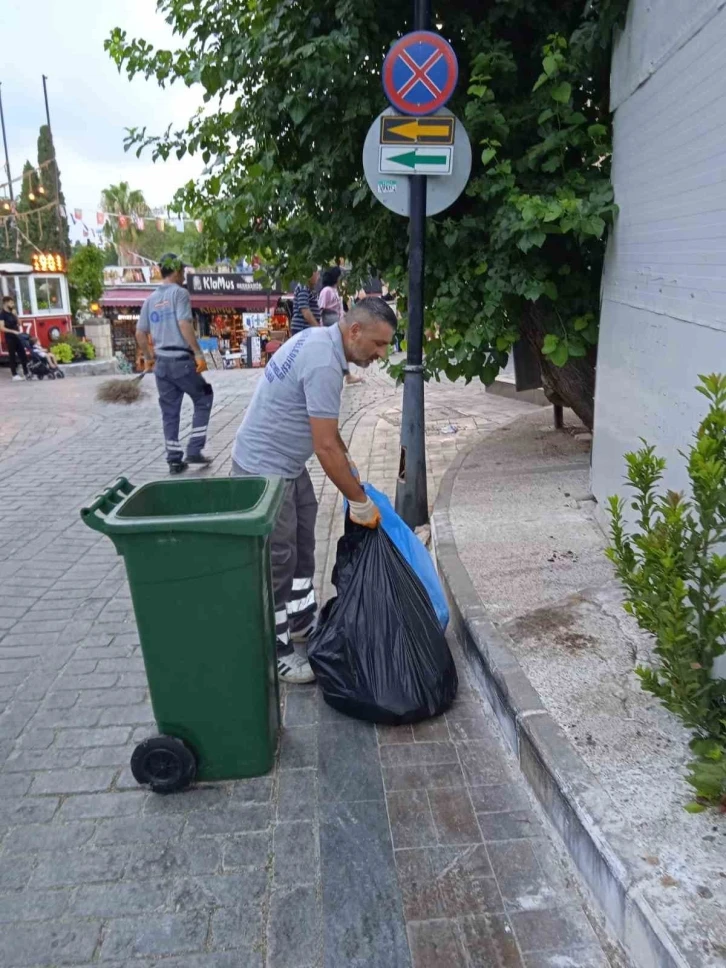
[365, 848]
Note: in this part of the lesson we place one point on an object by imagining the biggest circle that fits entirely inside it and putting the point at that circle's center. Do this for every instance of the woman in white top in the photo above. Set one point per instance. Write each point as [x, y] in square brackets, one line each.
[331, 306]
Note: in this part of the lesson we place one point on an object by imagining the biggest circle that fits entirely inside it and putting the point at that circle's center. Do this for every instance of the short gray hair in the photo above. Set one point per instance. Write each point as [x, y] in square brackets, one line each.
[369, 309]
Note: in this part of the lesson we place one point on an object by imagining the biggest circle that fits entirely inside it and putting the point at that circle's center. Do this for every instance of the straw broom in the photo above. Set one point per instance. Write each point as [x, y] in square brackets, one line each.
[121, 391]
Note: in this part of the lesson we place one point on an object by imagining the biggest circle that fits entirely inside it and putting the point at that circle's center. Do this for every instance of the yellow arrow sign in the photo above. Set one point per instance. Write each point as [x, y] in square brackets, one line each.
[430, 131]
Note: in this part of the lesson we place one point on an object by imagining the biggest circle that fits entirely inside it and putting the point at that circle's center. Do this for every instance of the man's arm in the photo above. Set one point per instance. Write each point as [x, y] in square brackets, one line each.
[142, 341]
[333, 456]
[142, 334]
[307, 315]
[186, 328]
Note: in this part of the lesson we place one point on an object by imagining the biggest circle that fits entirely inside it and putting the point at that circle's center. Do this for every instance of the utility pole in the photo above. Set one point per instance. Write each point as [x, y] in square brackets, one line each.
[11, 194]
[411, 491]
[55, 163]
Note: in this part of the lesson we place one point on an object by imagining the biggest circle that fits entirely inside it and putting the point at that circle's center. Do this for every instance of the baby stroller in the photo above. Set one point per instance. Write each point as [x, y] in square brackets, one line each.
[38, 363]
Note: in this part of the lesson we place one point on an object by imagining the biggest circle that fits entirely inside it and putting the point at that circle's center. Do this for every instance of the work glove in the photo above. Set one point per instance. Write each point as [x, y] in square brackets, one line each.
[365, 513]
[201, 364]
[149, 365]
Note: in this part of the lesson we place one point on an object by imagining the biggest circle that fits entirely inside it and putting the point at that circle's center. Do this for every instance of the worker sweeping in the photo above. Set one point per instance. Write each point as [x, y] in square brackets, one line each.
[178, 363]
[293, 415]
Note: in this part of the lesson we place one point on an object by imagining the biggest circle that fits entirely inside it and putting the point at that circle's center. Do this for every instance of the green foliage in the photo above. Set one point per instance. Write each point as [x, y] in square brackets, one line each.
[124, 201]
[53, 230]
[674, 573]
[79, 349]
[290, 91]
[85, 273]
[150, 241]
[62, 352]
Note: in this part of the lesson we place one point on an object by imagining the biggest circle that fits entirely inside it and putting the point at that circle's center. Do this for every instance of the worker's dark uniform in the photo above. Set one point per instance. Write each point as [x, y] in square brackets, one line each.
[175, 369]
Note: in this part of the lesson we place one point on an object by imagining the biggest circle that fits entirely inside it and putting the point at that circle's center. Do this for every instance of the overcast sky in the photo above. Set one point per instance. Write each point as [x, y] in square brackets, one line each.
[90, 102]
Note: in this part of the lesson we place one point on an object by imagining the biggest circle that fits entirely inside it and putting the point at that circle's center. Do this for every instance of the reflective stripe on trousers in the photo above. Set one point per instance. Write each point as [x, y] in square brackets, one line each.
[292, 551]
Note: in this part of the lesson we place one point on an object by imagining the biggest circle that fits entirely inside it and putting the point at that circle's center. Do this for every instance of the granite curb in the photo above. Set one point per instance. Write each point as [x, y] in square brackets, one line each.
[587, 821]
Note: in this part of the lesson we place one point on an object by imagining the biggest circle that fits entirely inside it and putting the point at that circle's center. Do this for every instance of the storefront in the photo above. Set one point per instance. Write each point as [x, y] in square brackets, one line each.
[234, 316]
[122, 307]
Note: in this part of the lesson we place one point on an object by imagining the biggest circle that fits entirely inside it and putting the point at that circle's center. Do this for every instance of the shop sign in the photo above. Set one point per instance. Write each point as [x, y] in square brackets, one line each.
[222, 283]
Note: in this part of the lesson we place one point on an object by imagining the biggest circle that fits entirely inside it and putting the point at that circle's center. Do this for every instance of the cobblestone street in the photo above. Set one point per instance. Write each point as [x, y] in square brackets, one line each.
[366, 847]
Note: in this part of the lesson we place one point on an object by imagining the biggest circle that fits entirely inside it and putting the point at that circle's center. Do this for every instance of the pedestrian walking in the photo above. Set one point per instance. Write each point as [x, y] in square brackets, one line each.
[10, 328]
[305, 309]
[299, 396]
[178, 363]
[331, 307]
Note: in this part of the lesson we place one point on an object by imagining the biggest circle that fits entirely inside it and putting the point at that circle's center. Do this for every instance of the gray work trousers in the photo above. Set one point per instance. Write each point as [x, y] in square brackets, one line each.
[174, 378]
[292, 550]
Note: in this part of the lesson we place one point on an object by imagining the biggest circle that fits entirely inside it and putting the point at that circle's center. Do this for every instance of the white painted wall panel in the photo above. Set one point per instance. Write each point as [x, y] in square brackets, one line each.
[655, 30]
[664, 287]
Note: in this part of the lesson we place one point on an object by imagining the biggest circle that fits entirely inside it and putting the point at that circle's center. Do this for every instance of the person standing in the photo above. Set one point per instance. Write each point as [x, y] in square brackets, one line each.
[299, 396]
[305, 309]
[331, 307]
[178, 363]
[10, 328]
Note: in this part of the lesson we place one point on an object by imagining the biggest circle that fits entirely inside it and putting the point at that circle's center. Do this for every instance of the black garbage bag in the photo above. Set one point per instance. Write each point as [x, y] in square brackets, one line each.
[379, 652]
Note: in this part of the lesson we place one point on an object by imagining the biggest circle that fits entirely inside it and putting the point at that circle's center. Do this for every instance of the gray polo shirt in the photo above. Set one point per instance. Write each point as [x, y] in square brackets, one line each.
[160, 316]
[303, 379]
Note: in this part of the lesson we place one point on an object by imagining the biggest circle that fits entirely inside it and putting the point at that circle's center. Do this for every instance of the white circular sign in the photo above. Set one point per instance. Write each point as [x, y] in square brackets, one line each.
[393, 190]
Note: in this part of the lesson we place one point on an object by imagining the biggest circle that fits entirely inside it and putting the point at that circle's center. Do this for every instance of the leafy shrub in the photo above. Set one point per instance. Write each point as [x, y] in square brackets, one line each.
[88, 350]
[62, 352]
[674, 575]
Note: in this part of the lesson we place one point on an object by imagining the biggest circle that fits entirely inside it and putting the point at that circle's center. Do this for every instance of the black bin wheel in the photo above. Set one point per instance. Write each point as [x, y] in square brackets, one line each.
[164, 763]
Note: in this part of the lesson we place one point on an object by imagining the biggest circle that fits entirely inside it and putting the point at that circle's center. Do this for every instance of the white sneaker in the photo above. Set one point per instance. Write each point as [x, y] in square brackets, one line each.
[18, 377]
[295, 669]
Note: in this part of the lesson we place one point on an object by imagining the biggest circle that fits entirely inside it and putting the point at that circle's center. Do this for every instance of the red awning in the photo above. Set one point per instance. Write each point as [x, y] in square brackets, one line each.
[250, 302]
[244, 301]
[126, 297]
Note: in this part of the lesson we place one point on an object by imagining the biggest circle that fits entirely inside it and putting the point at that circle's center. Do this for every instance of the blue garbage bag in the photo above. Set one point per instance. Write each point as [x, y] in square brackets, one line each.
[413, 551]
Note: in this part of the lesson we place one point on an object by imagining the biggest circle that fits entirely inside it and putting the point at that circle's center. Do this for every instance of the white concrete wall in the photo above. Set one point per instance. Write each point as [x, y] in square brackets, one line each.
[664, 287]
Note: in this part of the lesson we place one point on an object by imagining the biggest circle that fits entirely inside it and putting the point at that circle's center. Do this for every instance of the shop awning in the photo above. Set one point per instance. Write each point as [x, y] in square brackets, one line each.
[126, 297]
[244, 301]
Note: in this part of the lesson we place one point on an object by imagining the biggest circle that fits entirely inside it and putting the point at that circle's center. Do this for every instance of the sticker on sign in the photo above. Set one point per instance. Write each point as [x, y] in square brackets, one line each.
[415, 161]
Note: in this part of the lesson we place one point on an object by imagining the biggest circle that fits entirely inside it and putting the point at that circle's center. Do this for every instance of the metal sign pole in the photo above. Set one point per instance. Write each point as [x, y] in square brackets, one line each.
[411, 491]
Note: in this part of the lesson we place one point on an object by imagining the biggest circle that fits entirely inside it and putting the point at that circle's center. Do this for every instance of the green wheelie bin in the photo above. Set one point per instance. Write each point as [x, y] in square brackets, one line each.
[197, 556]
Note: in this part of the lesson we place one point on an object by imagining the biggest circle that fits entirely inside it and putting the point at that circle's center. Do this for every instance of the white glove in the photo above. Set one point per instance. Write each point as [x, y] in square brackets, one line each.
[365, 513]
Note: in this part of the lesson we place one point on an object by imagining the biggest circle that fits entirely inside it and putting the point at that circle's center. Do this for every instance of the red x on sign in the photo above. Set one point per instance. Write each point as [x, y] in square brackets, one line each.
[420, 73]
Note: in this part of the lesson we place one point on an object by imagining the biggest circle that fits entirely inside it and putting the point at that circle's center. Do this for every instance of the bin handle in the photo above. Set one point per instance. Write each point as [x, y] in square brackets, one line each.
[95, 515]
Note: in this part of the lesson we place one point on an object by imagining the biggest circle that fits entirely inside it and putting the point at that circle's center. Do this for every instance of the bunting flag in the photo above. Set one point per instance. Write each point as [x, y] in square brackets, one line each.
[160, 224]
[100, 218]
[78, 214]
[85, 230]
[140, 223]
[123, 221]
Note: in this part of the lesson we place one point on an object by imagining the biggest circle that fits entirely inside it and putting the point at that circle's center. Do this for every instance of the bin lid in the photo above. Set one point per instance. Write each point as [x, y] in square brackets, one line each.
[213, 505]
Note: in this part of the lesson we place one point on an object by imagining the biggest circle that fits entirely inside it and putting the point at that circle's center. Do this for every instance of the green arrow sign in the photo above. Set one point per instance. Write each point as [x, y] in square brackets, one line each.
[427, 161]
[412, 158]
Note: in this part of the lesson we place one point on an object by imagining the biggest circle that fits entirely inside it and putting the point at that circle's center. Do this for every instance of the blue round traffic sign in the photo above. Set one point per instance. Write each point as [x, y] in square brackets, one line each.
[420, 73]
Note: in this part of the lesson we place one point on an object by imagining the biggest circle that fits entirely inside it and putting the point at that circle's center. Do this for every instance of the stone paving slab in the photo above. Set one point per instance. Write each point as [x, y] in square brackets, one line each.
[364, 848]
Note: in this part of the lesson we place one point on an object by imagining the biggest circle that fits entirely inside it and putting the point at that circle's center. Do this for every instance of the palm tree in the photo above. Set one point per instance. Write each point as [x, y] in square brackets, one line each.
[120, 200]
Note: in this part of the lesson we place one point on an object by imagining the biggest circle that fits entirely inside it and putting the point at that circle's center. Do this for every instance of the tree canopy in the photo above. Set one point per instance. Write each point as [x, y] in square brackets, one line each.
[291, 90]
